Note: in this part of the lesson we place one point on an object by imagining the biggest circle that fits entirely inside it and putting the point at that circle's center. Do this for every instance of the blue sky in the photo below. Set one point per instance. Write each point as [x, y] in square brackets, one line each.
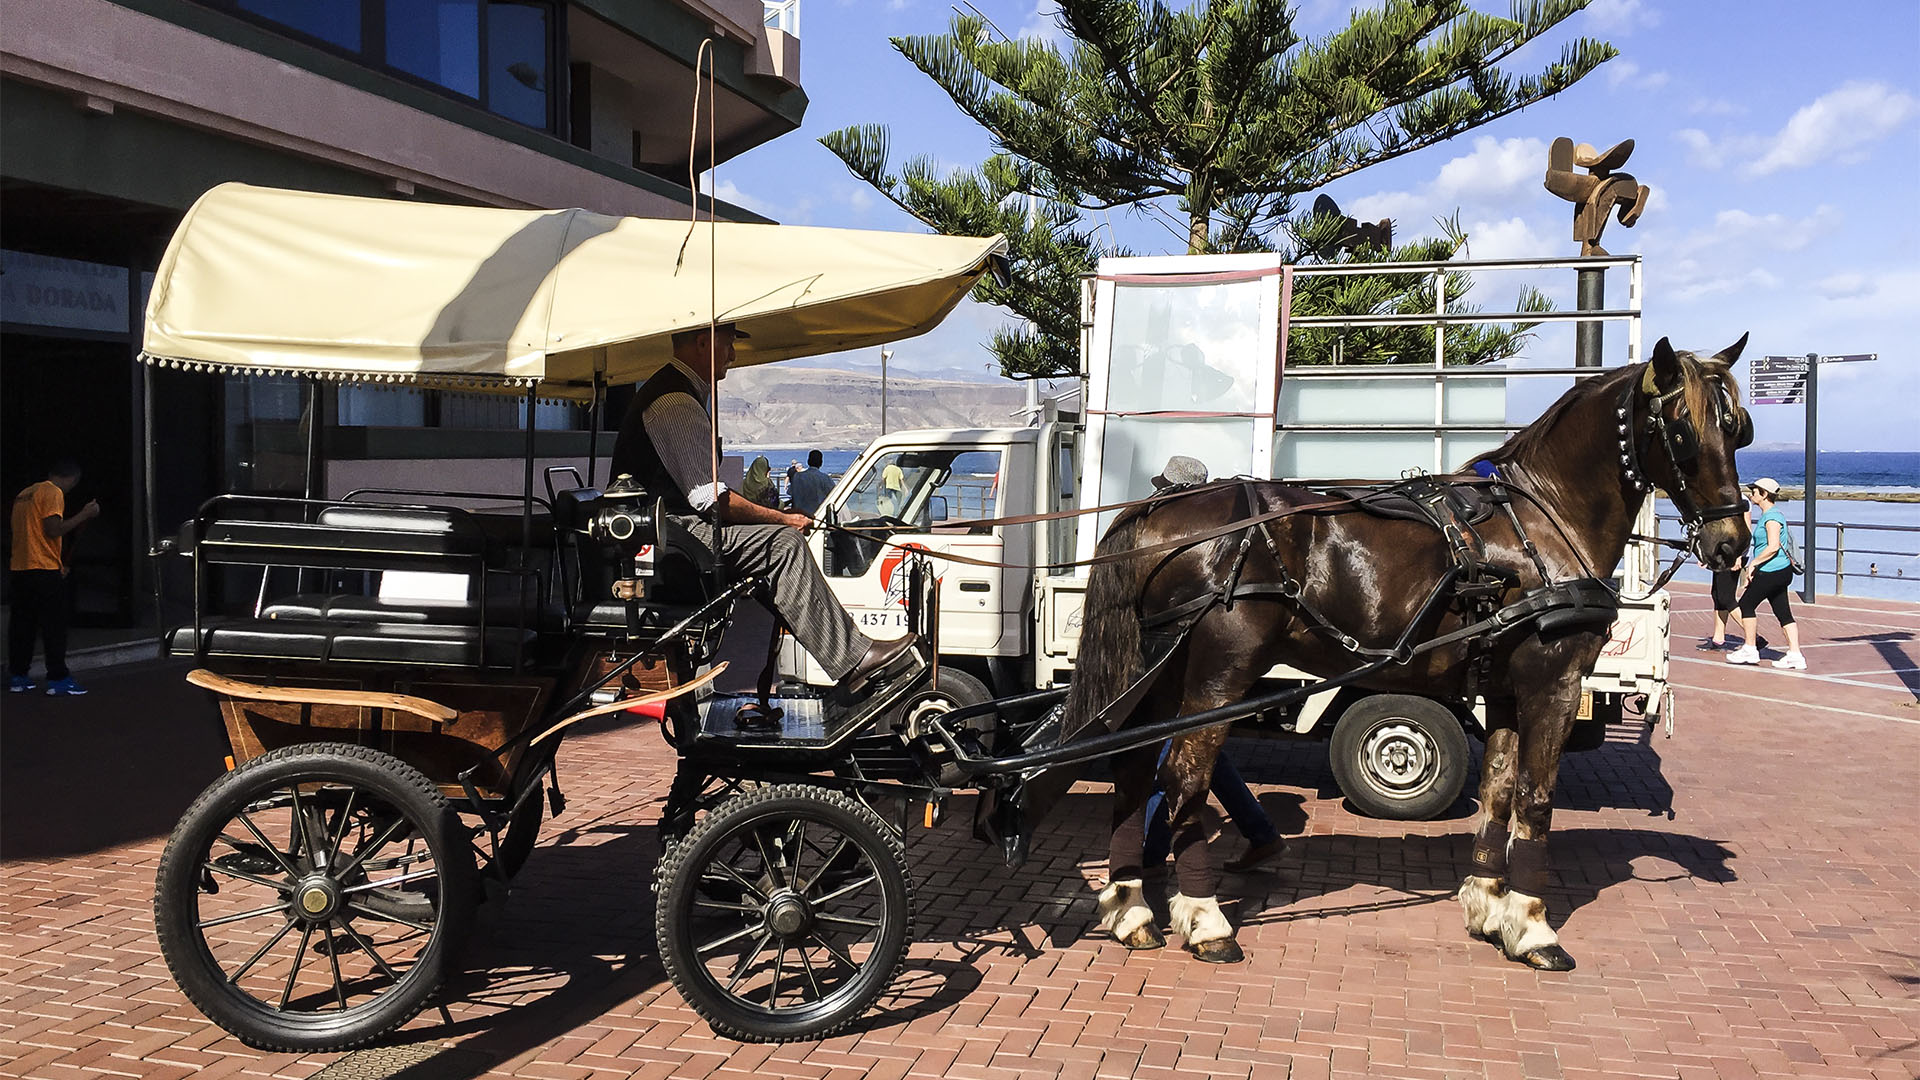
[1781, 142]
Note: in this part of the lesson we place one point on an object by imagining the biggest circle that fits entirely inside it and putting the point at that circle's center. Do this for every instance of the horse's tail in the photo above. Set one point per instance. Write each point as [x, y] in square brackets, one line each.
[1108, 662]
[1109, 657]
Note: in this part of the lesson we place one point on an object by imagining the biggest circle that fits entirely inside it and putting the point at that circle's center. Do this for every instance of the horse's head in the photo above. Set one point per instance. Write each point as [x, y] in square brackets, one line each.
[1680, 423]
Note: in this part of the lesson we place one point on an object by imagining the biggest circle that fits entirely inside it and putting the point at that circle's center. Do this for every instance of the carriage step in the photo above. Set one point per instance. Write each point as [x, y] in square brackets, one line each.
[802, 720]
[806, 723]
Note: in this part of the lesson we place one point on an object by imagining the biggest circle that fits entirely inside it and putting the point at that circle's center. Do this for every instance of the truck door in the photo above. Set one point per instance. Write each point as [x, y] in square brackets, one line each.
[923, 498]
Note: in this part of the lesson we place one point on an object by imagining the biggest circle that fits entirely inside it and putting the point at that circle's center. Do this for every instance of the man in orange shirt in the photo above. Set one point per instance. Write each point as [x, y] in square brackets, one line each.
[39, 578]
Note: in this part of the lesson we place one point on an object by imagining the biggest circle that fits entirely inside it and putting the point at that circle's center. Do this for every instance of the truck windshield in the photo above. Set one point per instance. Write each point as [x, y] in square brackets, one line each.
[923, 488]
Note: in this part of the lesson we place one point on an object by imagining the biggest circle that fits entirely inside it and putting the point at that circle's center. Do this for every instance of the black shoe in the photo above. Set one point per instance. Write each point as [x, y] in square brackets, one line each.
[1712, 646]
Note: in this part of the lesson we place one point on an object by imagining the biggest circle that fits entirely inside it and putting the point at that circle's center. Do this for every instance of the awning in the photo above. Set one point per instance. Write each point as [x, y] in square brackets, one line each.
[267, 281]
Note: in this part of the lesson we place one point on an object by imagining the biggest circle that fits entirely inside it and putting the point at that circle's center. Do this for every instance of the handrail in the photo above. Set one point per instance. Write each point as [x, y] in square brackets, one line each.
[1840, 550]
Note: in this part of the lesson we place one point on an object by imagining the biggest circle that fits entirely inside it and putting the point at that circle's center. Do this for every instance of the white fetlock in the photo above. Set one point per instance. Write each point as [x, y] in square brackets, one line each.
[1198, 919]
[1483, 902]
[1123, 908]
[1524, 927]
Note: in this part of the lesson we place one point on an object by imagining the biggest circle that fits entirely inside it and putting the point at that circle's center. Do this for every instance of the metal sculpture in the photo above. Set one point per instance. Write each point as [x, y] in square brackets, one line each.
[1597, 191]
[1351, 234]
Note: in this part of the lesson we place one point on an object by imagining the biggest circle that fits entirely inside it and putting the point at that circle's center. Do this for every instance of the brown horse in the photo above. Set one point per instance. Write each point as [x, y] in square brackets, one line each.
[1350, 582]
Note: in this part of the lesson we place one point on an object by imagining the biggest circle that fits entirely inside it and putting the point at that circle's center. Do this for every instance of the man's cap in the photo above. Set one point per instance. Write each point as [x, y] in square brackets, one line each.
[694, 331]
[1181, 471]
[1767, 484]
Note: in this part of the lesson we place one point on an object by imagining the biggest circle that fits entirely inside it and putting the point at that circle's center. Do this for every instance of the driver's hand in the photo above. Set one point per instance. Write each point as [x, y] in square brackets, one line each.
[799, 521]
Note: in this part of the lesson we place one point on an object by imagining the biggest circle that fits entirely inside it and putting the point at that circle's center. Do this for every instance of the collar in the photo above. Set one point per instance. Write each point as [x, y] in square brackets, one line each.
[702, 389]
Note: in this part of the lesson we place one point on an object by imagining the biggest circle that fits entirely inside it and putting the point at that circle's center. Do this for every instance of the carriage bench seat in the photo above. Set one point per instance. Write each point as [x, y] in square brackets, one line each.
[348, 538]
[357, 608]
[387, 643]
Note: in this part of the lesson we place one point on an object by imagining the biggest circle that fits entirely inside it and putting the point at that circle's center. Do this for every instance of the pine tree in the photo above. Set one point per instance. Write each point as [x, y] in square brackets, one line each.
[1220, 109]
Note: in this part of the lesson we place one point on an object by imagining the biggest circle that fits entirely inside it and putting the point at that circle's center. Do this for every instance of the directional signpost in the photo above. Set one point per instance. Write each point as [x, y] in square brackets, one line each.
[1795, 380]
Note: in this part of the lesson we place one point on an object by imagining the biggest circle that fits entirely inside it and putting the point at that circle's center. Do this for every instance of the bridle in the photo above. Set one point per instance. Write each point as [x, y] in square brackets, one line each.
[1681, 442]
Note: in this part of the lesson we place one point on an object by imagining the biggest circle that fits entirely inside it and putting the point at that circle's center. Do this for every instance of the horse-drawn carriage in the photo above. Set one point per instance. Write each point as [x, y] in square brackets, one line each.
[395, 687]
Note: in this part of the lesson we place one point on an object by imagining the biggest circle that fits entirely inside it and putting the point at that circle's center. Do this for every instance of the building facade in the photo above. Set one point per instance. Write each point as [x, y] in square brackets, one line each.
[116, 114]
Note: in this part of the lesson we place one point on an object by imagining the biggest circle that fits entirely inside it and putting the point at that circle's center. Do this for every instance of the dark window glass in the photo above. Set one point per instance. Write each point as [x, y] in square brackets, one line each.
[518, 48]
[438, 40]
[336, 21]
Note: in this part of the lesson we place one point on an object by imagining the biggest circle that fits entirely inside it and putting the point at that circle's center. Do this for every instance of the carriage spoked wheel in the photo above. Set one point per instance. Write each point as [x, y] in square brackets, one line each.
[314, 898]
[784, 913]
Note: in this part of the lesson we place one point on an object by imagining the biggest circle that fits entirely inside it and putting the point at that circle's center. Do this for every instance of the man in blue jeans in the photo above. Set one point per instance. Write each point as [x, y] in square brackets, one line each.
[1264, 844]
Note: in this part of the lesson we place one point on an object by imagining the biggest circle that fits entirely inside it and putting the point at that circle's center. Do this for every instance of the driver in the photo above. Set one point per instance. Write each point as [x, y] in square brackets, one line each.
[664, 444]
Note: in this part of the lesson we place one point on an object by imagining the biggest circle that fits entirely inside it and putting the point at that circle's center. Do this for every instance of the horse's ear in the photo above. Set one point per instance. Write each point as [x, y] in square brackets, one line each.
[1666, 366]
[1732, 352]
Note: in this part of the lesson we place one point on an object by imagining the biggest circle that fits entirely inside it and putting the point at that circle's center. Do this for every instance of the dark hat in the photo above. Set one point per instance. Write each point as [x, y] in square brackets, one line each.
[1181, 471]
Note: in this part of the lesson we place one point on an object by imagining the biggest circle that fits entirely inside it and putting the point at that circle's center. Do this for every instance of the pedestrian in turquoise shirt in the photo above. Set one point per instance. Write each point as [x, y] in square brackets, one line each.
[1768, 576]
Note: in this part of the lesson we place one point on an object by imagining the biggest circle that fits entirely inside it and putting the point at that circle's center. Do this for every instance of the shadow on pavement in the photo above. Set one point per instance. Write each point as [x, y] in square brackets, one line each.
[78, 774]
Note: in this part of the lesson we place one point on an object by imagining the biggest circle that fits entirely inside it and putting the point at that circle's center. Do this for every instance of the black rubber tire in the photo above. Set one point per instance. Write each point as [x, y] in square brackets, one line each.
[957, 690]
[678, 886]
[1400, 757]
[368, 773]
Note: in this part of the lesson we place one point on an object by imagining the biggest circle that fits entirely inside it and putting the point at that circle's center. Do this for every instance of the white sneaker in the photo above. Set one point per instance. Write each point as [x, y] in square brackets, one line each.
[1792, 660]
[1745, 654]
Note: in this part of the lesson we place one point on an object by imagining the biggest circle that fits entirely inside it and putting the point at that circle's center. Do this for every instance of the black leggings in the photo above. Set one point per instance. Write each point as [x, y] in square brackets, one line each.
[1773, 587]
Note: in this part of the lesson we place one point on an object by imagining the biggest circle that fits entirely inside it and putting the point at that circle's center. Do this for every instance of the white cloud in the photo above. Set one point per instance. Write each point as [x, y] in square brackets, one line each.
[1715, 107]
[1491, 174]
[1756, 278]
[729, 192]
[1043, 24]
[1513, 238]
[1836, 123]
[1621, 16]
[1703, 150]
[1843, 286]
[1733, 255]
[1626, 73]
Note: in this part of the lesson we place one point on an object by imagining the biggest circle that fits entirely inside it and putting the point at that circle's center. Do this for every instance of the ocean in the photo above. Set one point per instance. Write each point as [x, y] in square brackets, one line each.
[1882, 538]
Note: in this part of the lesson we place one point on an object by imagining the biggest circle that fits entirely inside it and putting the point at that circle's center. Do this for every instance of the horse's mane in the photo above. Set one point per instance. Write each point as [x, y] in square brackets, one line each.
[1533, 438]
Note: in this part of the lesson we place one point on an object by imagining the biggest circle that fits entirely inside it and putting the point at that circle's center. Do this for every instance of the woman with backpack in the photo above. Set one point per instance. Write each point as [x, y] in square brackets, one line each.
[1769, 576]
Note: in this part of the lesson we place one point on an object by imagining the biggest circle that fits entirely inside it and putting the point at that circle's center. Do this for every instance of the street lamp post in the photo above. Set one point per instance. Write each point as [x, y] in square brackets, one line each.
[885, 355]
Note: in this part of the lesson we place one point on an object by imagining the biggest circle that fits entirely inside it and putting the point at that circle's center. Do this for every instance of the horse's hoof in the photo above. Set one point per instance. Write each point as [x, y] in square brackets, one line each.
[1547, 958]
[1146, 937]
[1219, 951]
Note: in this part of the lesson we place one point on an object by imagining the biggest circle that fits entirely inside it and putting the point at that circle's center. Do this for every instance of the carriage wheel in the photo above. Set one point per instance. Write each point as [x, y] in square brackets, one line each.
[784, 913]
[313, 899]
[1400, 757]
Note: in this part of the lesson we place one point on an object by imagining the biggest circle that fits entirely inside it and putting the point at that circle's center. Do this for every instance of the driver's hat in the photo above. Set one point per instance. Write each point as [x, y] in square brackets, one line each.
[691, 332]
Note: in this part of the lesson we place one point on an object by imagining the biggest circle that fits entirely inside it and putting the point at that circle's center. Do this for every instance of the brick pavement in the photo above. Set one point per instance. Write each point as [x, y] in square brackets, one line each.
[1743, 899]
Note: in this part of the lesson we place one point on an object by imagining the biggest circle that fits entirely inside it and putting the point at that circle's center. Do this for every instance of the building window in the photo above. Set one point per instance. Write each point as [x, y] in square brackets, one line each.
[336, 22]
[519, 54]
[496, 53]
[438, 40]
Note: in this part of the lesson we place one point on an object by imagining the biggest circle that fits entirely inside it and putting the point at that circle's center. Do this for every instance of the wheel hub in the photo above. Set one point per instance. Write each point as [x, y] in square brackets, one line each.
[1400, 756]
[317, 897]
[789, 915]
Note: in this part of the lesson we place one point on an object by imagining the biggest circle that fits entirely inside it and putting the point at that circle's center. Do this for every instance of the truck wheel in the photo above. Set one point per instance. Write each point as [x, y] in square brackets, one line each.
[1399, 757]
[957, 690]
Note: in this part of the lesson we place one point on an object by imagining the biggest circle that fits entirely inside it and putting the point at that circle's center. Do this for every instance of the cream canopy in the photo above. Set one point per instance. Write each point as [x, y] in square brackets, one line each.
[268, 281]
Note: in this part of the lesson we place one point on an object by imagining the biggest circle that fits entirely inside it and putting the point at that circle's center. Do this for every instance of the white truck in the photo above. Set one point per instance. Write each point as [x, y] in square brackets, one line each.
[1183, 355]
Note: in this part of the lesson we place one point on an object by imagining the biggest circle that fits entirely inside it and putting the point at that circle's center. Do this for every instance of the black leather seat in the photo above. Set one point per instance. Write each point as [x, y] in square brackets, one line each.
[348, 537]
[389, 643]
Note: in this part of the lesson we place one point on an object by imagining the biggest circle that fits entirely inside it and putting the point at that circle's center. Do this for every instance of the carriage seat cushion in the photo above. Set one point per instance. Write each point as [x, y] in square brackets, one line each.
[394, 643]
[335, 607]
[366, 538]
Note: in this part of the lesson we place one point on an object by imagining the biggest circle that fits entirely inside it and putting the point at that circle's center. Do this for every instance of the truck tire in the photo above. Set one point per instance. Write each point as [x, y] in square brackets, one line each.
[1399, 757]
